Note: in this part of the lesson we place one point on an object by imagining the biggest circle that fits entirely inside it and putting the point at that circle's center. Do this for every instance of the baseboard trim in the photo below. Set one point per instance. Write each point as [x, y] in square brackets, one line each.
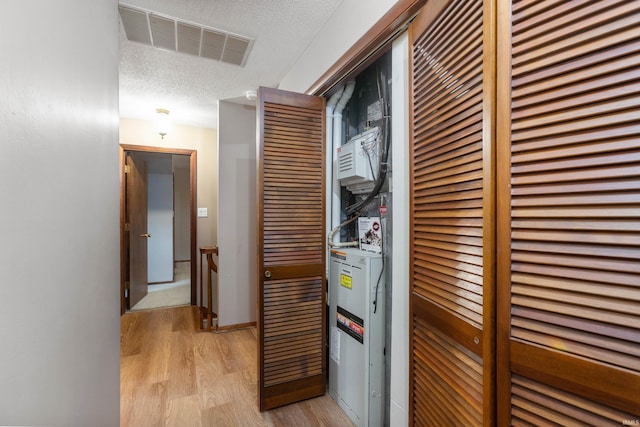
[237, 326]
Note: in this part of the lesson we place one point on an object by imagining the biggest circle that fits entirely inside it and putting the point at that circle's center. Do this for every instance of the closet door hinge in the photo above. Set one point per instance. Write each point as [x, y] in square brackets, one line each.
[127, 227]
[127, 168]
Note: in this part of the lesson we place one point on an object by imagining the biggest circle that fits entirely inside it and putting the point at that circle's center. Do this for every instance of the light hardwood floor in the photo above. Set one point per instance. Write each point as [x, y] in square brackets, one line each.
[173, 376]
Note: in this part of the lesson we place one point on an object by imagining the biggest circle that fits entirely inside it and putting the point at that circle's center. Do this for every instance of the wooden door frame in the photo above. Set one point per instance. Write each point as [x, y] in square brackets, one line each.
[192, 214]
[368, 48]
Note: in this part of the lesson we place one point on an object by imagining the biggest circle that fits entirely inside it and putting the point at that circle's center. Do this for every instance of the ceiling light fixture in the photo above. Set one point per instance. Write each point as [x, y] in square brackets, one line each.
[162, 121]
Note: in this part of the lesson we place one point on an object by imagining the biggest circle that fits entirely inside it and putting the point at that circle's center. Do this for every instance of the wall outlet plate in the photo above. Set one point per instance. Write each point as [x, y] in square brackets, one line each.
[203, 212]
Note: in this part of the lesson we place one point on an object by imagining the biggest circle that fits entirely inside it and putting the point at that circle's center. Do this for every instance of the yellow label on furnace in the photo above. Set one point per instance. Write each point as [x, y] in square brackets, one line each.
[345, 281]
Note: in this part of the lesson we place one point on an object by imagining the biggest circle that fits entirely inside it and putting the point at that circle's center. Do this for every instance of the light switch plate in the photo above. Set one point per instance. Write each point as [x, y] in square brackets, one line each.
[203, 212]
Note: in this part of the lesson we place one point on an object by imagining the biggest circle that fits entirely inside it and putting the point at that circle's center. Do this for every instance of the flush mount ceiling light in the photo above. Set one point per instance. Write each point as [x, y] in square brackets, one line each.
[162, 121]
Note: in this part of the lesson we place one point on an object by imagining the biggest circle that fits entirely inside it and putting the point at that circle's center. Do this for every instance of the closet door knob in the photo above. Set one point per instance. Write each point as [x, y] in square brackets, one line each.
[267, 274]
[145, 235]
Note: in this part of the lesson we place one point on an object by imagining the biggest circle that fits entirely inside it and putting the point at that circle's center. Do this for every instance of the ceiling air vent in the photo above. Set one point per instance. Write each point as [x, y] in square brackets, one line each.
[189, 38]
[165, 32]
[234, 50]
[212, 44]
[135, 25]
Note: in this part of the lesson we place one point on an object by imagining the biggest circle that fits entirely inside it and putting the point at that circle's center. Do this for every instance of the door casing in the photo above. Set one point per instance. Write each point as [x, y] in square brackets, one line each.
[192, 214]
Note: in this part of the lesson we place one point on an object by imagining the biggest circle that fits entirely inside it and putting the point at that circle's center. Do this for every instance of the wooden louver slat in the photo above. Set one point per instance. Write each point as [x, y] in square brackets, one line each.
[574, 213]
[448, 205]
[288, 135]
[283, 357]
[538, 404]
[449, 380]
[454, 164]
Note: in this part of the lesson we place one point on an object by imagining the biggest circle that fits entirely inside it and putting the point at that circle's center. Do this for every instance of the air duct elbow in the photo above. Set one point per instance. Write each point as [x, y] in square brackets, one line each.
[346, 96]
[333, 100]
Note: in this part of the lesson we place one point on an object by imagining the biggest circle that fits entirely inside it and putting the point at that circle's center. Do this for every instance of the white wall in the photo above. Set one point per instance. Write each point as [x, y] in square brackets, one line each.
[160, 227]
[59, 187]
[237, 214]
[182, 210]
[352, 20]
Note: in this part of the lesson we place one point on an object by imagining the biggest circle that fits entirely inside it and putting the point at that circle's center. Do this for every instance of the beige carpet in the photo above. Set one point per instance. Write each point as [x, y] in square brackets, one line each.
[169, 294]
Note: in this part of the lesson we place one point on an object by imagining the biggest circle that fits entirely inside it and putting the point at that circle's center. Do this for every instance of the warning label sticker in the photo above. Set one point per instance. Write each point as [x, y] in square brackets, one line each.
[350, 323]
[345, 281]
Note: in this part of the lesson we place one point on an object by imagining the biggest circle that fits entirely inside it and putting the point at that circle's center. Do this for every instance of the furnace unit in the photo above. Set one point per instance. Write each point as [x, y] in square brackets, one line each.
[356, 328]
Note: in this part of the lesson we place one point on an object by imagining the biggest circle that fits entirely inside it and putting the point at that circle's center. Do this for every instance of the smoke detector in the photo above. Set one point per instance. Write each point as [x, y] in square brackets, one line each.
[251, 95]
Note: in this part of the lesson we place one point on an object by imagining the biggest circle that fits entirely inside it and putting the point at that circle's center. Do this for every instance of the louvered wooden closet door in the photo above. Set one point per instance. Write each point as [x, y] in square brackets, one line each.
[569, 231]
[291, 251]
[452, 204]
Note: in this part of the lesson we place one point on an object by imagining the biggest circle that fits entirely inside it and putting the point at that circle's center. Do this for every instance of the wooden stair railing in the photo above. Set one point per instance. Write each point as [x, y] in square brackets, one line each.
[205, 312]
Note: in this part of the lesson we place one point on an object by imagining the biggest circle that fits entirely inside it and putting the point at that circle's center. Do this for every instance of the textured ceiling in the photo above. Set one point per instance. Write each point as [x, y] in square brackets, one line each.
[190, 86]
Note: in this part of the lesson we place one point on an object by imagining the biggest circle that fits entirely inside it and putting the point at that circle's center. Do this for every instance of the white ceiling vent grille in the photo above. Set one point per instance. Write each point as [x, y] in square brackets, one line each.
[164, 32]
[135, 25]
[213, 44]
[189, 39]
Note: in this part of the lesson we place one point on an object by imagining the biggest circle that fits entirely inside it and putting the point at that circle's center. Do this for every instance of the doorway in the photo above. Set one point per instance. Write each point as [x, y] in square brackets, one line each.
[158, 171]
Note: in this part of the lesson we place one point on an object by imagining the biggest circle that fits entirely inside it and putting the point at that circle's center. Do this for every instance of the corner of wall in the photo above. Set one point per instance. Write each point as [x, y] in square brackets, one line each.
[236, 218]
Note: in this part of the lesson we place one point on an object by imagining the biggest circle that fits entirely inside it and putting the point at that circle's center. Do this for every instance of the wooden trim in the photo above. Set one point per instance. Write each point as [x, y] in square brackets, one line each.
[193, 162]
[123, 244]
[294, 271]
[457, 329]
[236, 326]
[281, 394]
[150, 149]
[278, 96]
[260, 238]
[503, 214]
[615, 387]
[488, 213]
[371, 43]
[193, 196]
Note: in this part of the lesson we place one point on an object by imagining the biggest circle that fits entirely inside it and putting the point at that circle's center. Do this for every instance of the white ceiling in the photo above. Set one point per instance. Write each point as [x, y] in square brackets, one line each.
[191, 86]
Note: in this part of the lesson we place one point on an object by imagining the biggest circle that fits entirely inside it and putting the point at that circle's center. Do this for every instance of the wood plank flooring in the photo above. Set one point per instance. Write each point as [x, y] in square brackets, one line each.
[171, 375]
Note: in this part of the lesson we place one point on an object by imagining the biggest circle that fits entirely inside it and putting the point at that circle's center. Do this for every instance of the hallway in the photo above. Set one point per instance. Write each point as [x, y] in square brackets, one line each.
[173, 376]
